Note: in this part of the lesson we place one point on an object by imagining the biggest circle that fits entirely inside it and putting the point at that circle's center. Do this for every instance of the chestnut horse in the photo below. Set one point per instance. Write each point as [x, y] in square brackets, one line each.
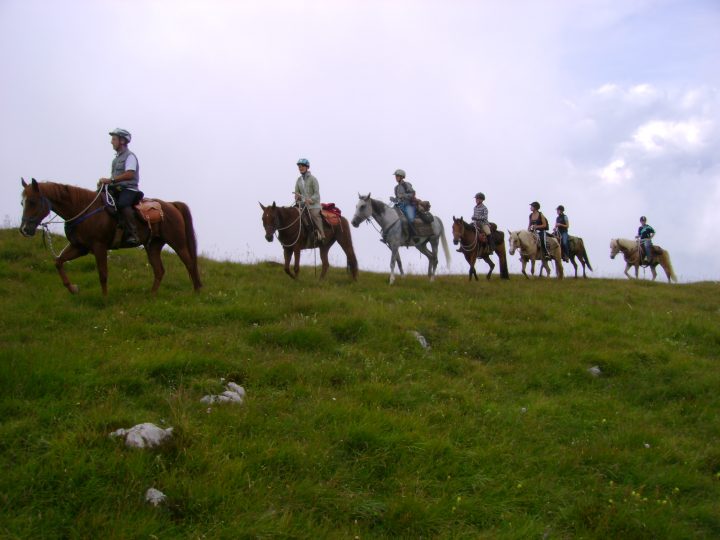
[631, 252]
[287, 223]
[90, 228]
[467, 235]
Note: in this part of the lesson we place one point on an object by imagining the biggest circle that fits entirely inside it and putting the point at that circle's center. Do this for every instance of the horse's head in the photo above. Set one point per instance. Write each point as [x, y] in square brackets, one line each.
[513, 241]
[363, 210]
[271, 220]
[614, 248]
[35, 207]
[458, 228]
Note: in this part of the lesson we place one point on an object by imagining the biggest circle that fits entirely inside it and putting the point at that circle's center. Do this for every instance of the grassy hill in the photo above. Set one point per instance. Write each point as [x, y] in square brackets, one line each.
[351, 429]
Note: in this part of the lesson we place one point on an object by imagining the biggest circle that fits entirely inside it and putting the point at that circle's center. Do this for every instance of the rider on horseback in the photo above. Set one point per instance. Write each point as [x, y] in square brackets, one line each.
[307, 195]
[480, 219]
[562, 224]
[405, 200]
[644, 236]
[123, 183]
[539, 225]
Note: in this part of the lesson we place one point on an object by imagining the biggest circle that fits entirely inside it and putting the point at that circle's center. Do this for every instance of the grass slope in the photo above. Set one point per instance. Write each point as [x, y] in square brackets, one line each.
[350, 428]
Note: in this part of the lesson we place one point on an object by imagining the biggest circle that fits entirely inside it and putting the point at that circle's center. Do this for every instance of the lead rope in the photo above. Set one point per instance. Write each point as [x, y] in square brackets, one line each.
[47, 236]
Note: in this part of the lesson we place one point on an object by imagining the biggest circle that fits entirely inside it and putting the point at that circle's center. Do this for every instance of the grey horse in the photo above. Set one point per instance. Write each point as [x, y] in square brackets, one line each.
[391, 224]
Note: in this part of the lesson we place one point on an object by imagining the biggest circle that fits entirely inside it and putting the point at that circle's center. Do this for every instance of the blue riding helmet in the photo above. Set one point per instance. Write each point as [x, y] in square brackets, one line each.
[303, 161]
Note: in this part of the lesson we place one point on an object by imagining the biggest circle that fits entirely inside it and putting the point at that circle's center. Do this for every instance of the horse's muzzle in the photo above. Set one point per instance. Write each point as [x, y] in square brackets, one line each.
[27, 230]
[269, 237]
[456, 241]
[355, 222]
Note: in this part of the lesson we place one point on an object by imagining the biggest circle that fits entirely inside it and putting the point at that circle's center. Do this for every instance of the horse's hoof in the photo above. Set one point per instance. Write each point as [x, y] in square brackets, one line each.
[73, 288]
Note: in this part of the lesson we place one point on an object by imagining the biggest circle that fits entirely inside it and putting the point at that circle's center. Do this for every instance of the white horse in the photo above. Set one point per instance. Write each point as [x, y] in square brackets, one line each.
[526, 242]
[631, 251]
[392, 233]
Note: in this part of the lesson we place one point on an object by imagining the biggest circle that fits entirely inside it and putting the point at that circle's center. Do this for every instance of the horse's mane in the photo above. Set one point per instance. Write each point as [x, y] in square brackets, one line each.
[377, 206]
[64, 192]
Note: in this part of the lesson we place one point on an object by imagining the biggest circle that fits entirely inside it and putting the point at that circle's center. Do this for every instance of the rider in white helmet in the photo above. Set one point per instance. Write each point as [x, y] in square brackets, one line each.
[405, 200]
[124, 183]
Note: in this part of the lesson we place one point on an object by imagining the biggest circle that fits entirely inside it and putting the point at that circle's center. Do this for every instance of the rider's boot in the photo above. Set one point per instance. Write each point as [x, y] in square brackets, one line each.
[412, 233]
[126, 216]
[491, 243]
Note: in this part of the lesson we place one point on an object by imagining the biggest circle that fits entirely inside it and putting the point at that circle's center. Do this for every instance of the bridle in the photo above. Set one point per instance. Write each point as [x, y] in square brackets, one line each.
[470, 247]
[278, 228]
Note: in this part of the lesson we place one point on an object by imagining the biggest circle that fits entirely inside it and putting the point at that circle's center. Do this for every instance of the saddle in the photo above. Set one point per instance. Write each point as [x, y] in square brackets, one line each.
[331, 214]
[147, 210]
[422, 228]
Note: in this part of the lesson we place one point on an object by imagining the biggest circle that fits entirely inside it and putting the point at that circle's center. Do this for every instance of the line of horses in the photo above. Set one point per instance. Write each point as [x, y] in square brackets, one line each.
[91, 229]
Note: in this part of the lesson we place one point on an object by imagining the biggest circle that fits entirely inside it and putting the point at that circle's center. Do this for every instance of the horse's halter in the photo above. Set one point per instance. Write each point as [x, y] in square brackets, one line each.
[467, 247]
[37, 218]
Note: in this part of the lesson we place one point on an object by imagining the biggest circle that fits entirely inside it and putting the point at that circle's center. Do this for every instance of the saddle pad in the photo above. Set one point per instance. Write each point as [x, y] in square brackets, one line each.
[422, 228]
[332, 218]
[150, 210]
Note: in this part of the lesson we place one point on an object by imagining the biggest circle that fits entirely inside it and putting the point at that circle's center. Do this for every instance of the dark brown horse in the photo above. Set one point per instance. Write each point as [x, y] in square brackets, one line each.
[91, 229]
[287, 222]
[577, 249]
[473, 246]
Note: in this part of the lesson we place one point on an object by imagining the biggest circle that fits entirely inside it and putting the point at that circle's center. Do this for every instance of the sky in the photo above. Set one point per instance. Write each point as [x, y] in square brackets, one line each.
[609, 107]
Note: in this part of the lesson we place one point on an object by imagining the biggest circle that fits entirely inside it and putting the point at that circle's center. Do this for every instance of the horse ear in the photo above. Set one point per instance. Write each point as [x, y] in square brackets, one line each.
[261, 205]
[274, 205]
[454, 218]
[368, 195]
[23, 182]
[35, 185]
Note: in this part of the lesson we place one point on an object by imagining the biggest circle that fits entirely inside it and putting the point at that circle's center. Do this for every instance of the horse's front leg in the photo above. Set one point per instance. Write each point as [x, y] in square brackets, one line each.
[296, 266]
[654, 272]
[287, 252]
[491, 264]
[394, 255]
[524, 262]
[324, 258]
[68, 254]
[627, 267]
[100, 252]
[572, 261]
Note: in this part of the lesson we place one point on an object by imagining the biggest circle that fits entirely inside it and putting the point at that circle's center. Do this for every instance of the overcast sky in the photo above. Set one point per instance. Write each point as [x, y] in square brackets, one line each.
[610, 107]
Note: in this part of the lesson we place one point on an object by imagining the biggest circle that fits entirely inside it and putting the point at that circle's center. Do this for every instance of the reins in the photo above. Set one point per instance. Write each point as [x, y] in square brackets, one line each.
[475, 243]
[47, 237]
[278, 229]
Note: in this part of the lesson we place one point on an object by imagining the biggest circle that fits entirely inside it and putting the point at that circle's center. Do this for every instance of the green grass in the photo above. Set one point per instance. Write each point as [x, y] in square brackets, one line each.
[351, 429]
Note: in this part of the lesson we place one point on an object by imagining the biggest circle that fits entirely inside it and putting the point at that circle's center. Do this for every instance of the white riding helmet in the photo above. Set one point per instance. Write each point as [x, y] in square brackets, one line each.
[119, 132]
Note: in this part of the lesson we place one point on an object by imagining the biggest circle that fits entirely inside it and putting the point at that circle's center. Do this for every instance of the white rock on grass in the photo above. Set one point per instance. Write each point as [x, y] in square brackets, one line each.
[155, 496]
[145, 435]
[595, 371]
[421, 339]
[234, 394]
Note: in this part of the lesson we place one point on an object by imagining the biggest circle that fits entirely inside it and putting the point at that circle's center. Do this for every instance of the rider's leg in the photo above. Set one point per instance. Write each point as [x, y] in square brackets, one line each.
[317, 220]
[490, 239]
[126, 216]
[543, 243]
[565, 240]
[410, 211]
[648, 250]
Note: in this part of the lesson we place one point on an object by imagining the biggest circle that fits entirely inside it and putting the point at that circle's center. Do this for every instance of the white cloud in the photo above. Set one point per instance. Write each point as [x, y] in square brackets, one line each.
[658, 135]
[616, 172]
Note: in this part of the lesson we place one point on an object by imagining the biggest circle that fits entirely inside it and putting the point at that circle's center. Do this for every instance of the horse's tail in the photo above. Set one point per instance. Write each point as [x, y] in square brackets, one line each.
[347, 245]
[191, 240]
[502, 255]
[446, 250]
[584, 255]
[667, 266]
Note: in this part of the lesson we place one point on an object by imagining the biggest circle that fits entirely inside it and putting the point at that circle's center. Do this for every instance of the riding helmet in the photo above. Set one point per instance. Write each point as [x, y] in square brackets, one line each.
[535, 205]
[480, 195]
[303, 161]
[119, 132]
[399, 172]
[561, 208]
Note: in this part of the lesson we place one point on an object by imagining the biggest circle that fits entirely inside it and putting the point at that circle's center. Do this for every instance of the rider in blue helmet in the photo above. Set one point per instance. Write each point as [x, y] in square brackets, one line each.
[307, 194]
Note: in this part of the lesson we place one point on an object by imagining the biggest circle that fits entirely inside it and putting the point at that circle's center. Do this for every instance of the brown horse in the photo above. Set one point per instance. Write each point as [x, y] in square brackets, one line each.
[577, 249]
[472, 247]
[293, 236]
[91, 229]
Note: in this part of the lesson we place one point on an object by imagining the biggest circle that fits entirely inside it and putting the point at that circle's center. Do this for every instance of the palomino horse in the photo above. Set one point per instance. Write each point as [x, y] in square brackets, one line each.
[468, 236]
[526, 243]
[391, 225]
[631, 252]
[89, 228]
[286, 221]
